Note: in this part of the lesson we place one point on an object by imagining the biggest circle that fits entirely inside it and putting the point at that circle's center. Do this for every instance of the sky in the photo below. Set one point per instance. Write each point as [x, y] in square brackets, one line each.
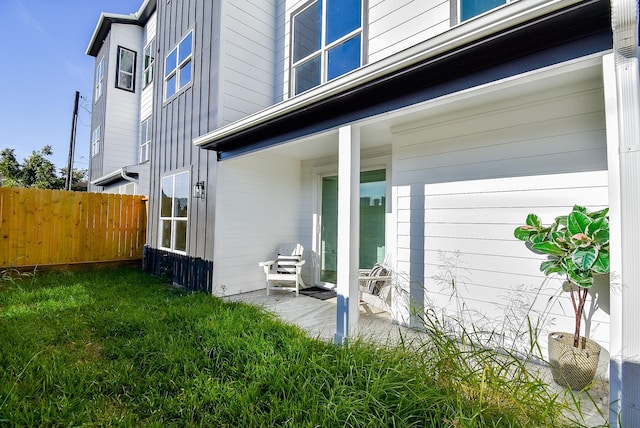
[44, 62]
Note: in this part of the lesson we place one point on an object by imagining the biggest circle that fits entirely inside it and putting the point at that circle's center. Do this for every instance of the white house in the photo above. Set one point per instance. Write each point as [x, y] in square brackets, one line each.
[418, 134]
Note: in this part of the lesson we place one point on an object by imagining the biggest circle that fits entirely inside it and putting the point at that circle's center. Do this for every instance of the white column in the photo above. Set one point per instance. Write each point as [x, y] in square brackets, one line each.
[625, 316]
[347, 312]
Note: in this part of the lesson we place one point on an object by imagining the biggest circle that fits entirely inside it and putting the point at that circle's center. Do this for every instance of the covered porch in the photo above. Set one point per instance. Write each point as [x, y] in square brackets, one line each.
[459, 173]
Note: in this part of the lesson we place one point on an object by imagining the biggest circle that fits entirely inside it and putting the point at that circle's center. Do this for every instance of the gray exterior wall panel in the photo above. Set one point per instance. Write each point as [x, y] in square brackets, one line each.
[190, 113]
[98, 115]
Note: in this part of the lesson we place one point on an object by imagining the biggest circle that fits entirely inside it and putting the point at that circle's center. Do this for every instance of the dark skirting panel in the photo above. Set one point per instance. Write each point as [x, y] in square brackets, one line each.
[192, 273]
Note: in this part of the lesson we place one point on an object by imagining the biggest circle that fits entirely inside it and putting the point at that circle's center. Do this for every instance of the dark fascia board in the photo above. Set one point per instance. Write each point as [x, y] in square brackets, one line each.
[103, 27]
[570, 33]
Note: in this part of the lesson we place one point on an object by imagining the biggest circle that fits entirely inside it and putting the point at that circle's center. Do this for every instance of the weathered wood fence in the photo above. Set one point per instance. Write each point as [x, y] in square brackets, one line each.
[50, 227]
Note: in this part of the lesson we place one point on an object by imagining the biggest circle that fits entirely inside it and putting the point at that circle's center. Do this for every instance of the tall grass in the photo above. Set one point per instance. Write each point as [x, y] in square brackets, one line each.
[121, 348]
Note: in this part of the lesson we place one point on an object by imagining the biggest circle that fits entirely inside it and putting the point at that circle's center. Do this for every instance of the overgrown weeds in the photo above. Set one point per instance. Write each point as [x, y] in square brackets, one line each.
[122, 348]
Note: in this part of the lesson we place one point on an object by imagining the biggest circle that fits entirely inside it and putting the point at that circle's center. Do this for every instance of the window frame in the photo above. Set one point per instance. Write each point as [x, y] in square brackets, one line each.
[145, 143]
[323, 52]
[99, 80]
[179, 67]
[132, 73]
[173, 218]
[459, 4]
[148, 66]
[95, 141]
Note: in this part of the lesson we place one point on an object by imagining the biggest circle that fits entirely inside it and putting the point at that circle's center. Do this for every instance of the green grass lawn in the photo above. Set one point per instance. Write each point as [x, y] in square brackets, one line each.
[120, 348]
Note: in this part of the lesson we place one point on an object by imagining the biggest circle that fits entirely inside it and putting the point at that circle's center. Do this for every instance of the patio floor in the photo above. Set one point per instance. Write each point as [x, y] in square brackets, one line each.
[318, 318]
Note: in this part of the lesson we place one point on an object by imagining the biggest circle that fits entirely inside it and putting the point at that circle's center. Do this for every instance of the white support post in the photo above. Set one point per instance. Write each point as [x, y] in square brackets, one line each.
[347, 311]
[624, 397]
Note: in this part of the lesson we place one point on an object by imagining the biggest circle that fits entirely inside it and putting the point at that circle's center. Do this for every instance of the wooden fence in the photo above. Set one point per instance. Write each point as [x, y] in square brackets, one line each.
[51, 227]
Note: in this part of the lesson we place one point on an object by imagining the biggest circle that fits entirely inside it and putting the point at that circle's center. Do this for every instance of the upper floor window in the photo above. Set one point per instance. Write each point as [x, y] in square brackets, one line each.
[327, 42]
[95, 141]
[178, 66]
[125, 79]
[99, 79]
[174, 207]
[149, 59]
[145, 140]
[471, 8]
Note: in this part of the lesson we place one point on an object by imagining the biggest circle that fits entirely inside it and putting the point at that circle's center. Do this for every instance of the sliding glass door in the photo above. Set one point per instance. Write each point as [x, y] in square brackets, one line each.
[373, 188]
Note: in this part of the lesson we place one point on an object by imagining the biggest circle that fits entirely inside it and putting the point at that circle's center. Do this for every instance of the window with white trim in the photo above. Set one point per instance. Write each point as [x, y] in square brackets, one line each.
[178, 67]
[149, 60]
[470, 8]
[95, 141]
[145, 140]
[125, 77]
[174, 206]
[327, 41]
[127, 189]
[99, 80]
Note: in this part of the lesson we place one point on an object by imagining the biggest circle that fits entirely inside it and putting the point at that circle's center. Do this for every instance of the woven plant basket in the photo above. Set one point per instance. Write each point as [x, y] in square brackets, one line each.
[570, 366]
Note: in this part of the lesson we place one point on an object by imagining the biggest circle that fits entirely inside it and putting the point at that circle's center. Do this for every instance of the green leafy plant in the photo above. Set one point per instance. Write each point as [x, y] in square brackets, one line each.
[576, 246]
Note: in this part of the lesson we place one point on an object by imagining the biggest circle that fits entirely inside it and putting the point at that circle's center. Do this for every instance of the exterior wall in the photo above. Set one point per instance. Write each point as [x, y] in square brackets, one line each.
[98, 115]
[465, 180]
[397, 25]
[191, 112]
[122, 108]
[390, 27]
[247, 58]
[146, 97]
[258, 199]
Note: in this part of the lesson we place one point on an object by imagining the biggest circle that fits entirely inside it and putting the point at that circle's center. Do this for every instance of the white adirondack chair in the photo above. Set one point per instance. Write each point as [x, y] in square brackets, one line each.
[285, 272]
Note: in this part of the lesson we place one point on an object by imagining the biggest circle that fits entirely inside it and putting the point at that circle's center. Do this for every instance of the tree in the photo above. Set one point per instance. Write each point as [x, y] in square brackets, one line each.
[36, 171]
[9, 168]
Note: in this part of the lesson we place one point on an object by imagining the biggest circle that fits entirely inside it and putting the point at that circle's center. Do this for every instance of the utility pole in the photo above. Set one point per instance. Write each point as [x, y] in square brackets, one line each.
[72, 143]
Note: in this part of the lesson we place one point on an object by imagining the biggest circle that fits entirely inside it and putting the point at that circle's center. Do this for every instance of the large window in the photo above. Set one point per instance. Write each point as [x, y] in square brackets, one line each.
[145, 140]
[178, 67]
[99, 80]
[173, 212]
[95, 141]
[373, 195]
[327, 42]
[149, 59]
[471, 8]
[125, 79]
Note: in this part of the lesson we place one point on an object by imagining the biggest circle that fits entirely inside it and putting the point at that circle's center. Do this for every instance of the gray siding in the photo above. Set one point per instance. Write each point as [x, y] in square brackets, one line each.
[192, 112]
[98, 114]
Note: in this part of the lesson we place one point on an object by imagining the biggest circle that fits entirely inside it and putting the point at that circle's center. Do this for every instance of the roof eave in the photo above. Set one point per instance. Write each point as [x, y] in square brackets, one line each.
[103, 27]
[461, 35]
[106, 19]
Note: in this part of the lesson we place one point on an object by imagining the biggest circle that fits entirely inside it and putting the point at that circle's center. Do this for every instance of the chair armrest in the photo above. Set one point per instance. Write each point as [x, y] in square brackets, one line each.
[267, 263]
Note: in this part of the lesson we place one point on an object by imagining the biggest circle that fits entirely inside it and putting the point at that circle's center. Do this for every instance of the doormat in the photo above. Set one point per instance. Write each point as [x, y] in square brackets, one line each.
[318, 293]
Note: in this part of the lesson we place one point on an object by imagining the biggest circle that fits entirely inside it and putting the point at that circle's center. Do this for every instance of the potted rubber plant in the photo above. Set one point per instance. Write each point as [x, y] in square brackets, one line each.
[577, 248]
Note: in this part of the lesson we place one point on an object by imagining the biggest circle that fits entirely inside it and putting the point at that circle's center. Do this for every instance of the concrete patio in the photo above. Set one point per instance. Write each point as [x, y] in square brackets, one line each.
[318, 318]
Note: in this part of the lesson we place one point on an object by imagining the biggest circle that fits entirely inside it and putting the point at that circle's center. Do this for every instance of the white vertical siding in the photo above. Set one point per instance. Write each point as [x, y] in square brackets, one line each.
[257, 208]
[123, 107]
[247, 58]
[465, 180]
[397, 25]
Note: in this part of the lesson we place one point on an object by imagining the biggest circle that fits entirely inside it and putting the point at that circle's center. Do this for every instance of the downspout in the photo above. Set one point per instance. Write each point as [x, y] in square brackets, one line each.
[624, 407]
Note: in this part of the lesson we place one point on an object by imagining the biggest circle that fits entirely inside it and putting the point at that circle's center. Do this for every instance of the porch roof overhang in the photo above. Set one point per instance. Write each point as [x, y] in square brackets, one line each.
[115, 176]
[559, 32]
